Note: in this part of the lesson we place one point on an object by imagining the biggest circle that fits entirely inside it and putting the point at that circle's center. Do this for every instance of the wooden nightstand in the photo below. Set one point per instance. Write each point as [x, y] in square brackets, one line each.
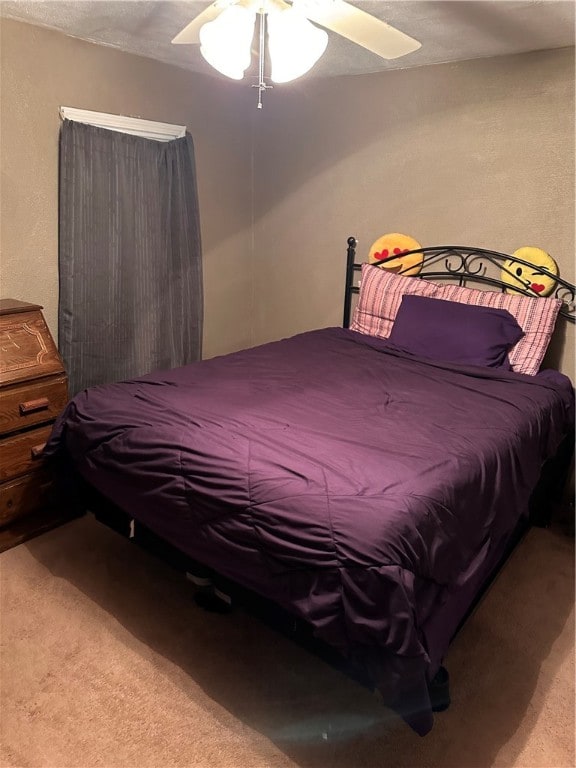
[33, 391]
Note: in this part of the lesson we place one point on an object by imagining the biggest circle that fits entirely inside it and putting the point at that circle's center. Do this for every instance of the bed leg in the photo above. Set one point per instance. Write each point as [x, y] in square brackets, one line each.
[439, 690]
[208, 596]
[213, 600]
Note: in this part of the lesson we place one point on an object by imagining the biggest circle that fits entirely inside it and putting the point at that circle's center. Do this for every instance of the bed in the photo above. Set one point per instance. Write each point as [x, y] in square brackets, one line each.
[365, 490]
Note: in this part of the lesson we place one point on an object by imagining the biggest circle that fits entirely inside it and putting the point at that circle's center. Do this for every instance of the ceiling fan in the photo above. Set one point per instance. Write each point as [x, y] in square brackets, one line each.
[225, 29]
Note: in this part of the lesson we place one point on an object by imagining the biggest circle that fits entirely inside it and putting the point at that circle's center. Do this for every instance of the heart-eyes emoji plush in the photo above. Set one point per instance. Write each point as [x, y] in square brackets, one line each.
[392, 248]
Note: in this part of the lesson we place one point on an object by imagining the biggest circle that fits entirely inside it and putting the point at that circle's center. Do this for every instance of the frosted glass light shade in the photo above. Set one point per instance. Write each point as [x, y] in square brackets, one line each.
[226, 41]
[294, 43]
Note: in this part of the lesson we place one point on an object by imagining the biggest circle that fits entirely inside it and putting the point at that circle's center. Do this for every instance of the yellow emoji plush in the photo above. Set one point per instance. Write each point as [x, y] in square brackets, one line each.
[530, 278]
[392, 246]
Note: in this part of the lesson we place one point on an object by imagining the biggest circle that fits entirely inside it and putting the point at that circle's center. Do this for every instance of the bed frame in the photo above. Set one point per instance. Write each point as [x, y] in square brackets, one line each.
[462, 265]
[216, 594]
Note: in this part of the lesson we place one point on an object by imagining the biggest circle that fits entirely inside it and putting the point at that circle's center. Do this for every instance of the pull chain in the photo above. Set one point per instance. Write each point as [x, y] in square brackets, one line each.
[262, 86]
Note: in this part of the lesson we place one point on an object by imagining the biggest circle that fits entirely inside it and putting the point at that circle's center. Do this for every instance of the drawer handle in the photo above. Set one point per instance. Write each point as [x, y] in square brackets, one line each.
[31, 406]
[37, 451]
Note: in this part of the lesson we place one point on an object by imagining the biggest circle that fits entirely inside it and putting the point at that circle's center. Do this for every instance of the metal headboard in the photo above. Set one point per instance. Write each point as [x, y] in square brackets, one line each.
[463, 265]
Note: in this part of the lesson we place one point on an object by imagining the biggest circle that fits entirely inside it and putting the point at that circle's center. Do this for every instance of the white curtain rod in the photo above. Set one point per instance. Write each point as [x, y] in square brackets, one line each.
[137, 127]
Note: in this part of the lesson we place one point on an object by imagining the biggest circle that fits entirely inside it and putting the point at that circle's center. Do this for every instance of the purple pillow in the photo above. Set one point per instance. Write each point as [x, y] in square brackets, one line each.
[452, 332]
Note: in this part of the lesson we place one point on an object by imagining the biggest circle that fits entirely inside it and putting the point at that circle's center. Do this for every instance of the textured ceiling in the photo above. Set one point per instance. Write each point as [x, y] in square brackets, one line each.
[449, 31]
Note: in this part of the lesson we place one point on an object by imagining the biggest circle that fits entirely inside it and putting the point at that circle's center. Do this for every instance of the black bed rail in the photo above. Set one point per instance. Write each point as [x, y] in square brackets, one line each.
[462, 264]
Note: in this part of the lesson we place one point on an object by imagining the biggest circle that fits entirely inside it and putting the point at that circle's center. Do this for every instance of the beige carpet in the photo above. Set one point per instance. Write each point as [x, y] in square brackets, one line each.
[106, 661]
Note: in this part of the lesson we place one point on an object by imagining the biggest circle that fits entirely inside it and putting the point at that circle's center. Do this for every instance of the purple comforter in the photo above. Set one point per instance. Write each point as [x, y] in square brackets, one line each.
[362, 489]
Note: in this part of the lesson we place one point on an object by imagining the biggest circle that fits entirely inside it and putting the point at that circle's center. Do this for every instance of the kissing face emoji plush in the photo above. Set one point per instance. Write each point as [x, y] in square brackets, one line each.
[530, 277]
[393, 247]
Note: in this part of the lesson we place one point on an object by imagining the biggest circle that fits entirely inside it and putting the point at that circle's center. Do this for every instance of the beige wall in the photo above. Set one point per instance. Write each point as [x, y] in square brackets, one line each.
[479, 152]
[476, 153]
[42, 70]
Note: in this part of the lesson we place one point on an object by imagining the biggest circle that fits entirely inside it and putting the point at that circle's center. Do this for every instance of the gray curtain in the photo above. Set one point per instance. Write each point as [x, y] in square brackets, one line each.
[130, 261]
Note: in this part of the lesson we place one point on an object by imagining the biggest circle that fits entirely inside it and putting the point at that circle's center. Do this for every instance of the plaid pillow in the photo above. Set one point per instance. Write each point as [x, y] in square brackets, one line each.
[381, 292]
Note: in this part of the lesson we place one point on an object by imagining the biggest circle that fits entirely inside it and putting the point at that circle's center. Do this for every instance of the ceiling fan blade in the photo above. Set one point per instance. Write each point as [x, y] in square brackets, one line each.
[360, 27]
[190, 32]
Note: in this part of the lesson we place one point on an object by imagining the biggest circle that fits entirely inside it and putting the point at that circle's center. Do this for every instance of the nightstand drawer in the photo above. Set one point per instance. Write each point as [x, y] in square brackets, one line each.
[22, 453]
[24, 405]
[24, 495]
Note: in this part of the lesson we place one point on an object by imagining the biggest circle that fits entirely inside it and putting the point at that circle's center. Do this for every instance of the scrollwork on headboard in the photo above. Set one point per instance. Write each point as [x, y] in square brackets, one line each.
[465, 265]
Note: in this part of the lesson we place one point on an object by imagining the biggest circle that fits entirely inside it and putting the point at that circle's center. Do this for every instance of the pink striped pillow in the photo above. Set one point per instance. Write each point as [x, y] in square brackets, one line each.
[381, 292]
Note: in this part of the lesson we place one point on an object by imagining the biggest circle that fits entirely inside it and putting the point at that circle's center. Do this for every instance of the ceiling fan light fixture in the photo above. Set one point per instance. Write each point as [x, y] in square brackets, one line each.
[226, 42]
[294, 44]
